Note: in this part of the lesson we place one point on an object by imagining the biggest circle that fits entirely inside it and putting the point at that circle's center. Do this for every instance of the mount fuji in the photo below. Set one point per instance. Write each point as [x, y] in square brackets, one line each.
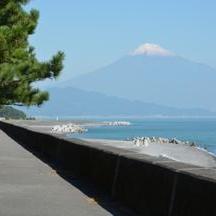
[152, 74]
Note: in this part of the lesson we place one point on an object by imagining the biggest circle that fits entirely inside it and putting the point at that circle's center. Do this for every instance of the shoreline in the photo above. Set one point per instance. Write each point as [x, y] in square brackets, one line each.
[84, 117]
[178, 152]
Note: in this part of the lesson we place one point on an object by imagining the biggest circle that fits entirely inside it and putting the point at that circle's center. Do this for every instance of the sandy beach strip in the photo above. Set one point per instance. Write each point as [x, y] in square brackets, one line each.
[177, 152]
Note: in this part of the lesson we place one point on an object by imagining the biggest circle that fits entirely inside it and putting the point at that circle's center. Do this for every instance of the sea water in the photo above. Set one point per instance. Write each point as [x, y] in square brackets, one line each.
[201, 131]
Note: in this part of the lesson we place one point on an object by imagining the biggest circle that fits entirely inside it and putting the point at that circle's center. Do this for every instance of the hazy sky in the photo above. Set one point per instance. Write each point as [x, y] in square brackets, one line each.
[97, 32]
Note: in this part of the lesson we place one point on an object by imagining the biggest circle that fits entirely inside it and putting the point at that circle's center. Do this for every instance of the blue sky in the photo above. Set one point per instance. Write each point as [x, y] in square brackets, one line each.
[97, 32]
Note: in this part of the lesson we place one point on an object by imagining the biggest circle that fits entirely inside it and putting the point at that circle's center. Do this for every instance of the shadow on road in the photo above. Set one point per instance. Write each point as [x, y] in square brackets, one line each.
[95, 195]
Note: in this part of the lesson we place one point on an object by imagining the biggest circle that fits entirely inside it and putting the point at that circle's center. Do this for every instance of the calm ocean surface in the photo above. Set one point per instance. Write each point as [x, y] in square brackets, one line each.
[201, 131]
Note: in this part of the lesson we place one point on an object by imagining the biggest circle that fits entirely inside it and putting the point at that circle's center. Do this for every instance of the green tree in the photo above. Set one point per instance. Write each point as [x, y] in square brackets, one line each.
[19, 66]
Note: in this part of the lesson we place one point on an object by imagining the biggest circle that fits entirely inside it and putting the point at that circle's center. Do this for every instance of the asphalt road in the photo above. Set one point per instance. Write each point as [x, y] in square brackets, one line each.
[29, 187]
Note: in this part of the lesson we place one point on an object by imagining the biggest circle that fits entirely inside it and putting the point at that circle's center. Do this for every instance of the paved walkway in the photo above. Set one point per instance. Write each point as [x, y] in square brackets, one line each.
[29, 187]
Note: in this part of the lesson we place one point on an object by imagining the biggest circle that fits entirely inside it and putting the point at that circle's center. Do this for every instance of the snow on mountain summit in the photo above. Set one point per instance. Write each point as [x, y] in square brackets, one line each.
[151, 50]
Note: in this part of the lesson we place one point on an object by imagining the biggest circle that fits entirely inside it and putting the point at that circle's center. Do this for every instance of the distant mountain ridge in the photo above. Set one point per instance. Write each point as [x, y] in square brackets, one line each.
[167, 80]
[75, 102]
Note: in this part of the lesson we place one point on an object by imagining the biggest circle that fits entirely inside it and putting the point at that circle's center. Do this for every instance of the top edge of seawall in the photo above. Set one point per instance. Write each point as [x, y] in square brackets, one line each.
[202, 173]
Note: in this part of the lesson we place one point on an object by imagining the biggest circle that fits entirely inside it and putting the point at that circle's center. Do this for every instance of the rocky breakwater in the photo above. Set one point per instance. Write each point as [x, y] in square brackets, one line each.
[146, 141]
[117, 123]
[68, 128]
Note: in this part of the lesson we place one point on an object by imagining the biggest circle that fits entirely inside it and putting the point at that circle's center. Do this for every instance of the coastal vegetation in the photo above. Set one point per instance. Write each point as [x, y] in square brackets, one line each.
[19, 66]
[9, 112]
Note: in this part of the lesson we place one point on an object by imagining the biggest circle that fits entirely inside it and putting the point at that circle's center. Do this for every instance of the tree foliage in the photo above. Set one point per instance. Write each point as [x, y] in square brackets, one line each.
[19, 66]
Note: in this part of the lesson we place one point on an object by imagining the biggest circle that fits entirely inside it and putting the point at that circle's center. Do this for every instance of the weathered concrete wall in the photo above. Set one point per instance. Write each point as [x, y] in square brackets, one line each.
[150, 186]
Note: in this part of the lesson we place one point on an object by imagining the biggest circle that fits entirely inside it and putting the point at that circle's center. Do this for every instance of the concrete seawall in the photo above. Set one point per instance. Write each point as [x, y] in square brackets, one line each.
[151, 186]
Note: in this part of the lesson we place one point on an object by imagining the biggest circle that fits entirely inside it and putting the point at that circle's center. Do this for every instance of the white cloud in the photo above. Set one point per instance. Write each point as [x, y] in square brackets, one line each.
[151, 50]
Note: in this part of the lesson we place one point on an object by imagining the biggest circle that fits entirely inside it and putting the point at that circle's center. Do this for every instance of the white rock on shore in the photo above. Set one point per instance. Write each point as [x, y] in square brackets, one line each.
[176, 152]
[68, 128]
[117, 123]
[145, 141]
